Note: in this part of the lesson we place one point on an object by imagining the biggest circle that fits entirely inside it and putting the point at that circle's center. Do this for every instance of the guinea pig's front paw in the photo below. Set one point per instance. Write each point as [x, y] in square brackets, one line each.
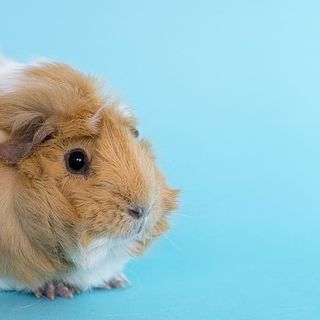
[119, 281]
[56, 289]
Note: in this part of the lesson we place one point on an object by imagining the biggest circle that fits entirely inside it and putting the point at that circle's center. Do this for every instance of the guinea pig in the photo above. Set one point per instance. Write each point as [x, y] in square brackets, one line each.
[81, 193]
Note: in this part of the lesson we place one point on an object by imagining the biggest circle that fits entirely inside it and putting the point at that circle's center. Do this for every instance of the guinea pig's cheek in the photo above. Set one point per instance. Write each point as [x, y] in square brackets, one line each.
[121, 226]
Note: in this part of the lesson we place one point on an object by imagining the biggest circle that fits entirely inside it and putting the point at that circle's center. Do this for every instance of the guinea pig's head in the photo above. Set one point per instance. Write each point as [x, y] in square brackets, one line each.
[82, 171]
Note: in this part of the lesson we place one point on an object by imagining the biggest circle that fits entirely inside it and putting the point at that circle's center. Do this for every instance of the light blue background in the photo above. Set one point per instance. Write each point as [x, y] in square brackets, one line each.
[228, 91]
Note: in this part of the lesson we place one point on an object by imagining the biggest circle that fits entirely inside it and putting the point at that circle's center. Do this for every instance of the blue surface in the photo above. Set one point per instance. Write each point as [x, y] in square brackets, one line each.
[229, 93]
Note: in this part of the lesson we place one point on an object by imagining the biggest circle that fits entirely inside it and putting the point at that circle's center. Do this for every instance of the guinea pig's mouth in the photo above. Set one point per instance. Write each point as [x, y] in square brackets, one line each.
[140, 226]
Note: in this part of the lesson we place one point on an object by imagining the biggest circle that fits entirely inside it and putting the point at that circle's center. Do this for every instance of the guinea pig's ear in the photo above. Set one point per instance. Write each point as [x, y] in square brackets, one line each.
[17, 148]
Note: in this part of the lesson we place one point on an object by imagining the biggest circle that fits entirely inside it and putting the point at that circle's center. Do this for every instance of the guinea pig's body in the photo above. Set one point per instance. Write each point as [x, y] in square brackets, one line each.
[80, 194]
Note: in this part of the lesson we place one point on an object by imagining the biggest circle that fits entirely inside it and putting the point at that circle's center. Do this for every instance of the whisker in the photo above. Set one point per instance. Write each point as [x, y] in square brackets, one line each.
[189, 215]
[26, 306]
[171, 242]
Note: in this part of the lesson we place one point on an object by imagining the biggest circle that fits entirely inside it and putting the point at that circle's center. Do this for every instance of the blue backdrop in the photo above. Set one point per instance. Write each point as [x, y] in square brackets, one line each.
[228, 91]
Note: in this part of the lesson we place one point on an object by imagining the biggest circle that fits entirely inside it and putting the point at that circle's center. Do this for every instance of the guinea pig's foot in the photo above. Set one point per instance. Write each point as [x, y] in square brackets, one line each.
[56, 289]
[119, 281]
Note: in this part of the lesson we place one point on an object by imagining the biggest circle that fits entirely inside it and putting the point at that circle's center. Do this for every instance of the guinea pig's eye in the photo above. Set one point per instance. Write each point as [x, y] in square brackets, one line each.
[77, 161]
[135, 132]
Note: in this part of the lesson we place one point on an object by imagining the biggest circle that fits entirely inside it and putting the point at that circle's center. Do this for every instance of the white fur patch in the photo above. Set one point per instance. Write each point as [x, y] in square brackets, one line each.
[97, 264]
[7, 284]
[11, 75]
[125, 110]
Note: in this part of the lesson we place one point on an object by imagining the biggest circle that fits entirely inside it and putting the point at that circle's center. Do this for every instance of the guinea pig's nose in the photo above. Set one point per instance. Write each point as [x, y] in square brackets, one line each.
[137, 212]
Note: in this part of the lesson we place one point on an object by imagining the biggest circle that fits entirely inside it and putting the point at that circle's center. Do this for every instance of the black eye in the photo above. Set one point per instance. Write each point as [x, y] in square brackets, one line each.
[135, 132]
[77, 161]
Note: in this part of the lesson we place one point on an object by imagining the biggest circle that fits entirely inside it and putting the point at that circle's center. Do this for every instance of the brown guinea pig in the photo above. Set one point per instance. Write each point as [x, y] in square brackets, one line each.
[81, 193]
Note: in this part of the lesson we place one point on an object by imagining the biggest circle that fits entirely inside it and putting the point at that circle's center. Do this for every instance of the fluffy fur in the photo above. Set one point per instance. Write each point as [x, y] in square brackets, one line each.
[57, 227]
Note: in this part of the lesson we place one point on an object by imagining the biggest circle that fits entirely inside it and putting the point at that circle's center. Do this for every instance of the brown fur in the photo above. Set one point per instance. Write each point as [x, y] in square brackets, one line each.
[46, 211]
